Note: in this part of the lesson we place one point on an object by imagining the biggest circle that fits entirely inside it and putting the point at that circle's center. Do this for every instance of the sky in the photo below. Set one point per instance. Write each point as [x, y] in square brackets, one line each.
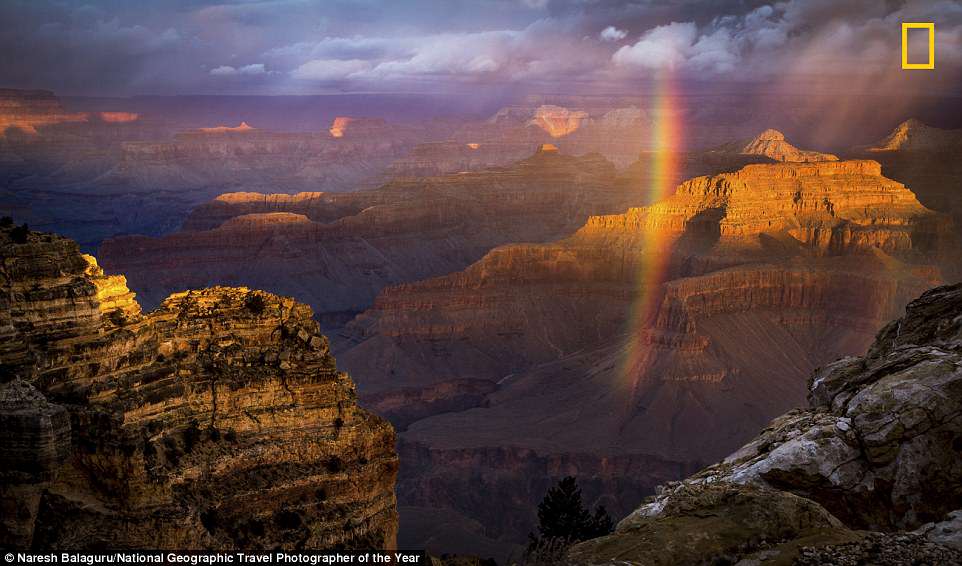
[120, 47]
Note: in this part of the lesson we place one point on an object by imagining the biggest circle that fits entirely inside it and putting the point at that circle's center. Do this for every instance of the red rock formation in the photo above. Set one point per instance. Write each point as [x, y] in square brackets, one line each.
[217, 421]
[772, 144]
[557, 121]
[339, 126]
[786, 266]
[201, 163]
[27, 110]
[913, 135]
[357, 127]
[239, 129]
[119, 117]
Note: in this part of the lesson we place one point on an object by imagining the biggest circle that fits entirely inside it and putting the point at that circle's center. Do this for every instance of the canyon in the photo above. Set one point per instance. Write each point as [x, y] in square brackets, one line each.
[218, 420]
[336, 251]
[93, 175]
[655, 329]
[92, 169]
[505, 290]
[867, 473]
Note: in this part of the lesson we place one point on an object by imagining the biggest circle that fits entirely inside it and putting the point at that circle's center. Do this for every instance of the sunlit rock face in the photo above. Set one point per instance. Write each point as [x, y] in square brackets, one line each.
[340, 126]
[617, 133]
[119, 117]
[772, 144]
[27, 110]
[913, 135]
[241, 128]
[655, 330]
[217, 421]
[875, 449]
[358, 127]
[557, 121]
[336, 252]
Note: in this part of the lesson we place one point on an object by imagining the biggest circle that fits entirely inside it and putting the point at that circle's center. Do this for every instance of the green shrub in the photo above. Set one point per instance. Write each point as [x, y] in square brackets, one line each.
[19, 234]
[255, 303]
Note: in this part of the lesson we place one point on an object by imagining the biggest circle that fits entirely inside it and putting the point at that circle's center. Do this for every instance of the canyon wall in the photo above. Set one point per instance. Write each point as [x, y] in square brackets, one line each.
[336, 252]
[926, 159]
[655, 329]
[217, 421]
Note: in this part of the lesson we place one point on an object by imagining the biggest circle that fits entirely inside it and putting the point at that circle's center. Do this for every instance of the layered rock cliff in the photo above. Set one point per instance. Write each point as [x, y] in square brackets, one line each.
[217, 421]
[876, 449]
[27, 110]
[927, 159]
[336, 252]
[655, 329]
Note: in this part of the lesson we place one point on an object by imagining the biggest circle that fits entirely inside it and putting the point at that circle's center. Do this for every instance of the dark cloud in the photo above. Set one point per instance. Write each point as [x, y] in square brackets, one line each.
[298, 46]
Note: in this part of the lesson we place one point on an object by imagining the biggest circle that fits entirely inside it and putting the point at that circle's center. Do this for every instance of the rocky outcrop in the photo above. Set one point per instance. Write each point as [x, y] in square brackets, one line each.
[217, 421]
[557, 121]
[241, 128]
[877, 449]
[317, 206]
[359, 128]
[655, 329]
[27, 110]
[34, 443]
[772, 144]
[927, 159]
[338, 251]
[914, 135]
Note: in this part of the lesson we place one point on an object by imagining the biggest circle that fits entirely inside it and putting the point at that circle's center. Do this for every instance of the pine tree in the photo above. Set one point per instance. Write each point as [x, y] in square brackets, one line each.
[563, 520]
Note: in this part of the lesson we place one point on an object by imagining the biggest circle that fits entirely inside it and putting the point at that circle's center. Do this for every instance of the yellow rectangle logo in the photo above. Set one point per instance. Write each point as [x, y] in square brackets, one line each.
[930, 64]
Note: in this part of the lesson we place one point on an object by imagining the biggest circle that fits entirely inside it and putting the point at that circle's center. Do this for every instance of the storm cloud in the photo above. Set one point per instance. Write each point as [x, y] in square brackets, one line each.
[112, 47]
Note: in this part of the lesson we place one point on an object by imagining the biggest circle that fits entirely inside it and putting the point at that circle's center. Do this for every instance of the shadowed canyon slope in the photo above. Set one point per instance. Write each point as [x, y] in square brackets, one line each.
[875, 450]
[655, 330]
[336, 252]
[217, 421]
[927, 159]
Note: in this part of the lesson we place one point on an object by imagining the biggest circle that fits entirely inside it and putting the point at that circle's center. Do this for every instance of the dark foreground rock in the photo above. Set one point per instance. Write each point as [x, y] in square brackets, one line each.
[217, 421]
[877, 454]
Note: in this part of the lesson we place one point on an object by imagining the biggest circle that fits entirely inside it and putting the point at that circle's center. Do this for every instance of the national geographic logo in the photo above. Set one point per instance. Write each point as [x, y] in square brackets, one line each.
[929, 30]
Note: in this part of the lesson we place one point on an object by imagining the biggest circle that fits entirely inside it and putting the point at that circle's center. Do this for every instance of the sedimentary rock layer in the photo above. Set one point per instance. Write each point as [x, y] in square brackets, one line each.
[217, 421]
[927, 159]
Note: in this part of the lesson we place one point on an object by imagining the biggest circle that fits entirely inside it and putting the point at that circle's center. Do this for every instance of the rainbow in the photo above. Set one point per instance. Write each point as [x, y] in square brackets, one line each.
[664, 167]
